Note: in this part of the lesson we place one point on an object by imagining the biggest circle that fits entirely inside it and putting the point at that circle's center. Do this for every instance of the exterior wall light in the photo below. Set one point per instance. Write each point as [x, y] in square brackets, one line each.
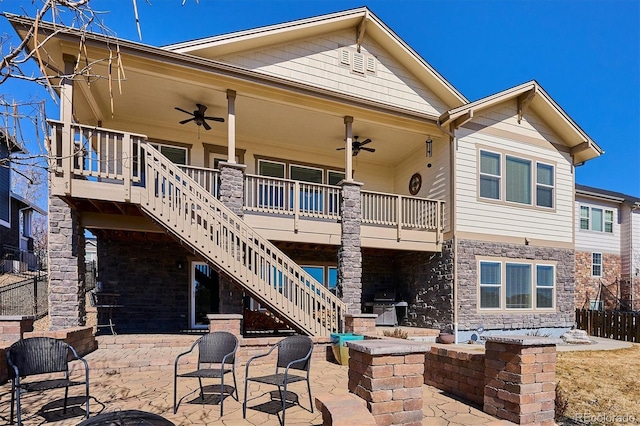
[429, 146]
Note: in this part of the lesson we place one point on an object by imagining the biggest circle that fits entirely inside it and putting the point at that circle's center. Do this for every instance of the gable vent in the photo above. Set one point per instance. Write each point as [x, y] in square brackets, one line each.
[360, 63]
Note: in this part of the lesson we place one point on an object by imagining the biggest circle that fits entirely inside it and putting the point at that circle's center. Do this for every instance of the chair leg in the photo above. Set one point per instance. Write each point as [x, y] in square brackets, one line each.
[175, 392]
[87, 393]
[235, 385]
[66, 394]
[284, 400]
[13, 399]
[244, 403]
[221, 393]
[309, 390]
[18, 407]
[201, 390]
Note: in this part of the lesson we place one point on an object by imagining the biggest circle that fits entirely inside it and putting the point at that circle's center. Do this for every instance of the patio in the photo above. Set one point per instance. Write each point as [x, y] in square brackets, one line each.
[141, 378]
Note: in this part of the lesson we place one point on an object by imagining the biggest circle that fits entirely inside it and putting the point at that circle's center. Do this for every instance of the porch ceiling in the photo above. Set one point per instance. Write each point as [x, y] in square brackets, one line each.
[264, 115]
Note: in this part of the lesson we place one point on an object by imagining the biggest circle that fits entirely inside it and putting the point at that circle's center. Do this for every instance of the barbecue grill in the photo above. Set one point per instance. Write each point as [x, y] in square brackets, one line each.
[384, 305]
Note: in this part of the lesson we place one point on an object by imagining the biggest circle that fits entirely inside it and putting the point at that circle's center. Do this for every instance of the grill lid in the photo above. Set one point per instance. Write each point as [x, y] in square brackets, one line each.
[385, 296]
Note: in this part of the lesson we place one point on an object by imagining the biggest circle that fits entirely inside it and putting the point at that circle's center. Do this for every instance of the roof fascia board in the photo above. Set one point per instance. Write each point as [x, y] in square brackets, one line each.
[30, 205]
[524, 92]
[207, 65]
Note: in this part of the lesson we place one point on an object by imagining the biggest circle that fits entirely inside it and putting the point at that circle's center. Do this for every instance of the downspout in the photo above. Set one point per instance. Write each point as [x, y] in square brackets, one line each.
[452, 214]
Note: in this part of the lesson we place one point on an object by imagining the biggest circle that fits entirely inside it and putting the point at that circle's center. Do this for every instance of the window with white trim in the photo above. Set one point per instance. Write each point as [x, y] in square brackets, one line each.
[596, 264]
[596, 219]
[516, 285]
[516, 180]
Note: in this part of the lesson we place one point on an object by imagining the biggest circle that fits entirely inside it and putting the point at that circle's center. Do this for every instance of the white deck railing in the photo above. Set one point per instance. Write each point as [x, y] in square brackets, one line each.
[209, 179]
[302, 199]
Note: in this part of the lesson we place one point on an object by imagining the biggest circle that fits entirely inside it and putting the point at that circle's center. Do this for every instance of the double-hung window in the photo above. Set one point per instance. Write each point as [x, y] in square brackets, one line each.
[596, 219]
[176, 154]
[596, 264]
[516, 180]
[516, 285]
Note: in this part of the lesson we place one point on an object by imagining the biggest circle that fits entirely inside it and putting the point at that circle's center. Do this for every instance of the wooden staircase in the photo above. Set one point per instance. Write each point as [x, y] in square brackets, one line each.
[127, 169]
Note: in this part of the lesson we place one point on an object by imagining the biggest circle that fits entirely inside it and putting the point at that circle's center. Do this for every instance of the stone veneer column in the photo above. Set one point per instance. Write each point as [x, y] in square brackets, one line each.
[232, 186]
[520, 374]
[66, 267]
[388, 375]
[350, 254]
[360, 323]
[226, 322]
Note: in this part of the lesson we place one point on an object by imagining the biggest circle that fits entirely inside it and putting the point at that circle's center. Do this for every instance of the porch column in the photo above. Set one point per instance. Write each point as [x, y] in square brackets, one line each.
[67, 306]
[232, 186]
[231, 126]
[350, 254]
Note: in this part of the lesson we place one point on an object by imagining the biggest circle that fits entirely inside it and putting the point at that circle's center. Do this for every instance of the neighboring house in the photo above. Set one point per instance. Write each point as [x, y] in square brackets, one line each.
[464, 210]
[607, 249]
[16, 213]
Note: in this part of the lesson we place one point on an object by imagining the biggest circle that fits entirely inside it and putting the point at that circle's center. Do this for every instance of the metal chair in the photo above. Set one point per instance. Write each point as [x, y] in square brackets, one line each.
[294, 353]
[217, 348]
[42, 355]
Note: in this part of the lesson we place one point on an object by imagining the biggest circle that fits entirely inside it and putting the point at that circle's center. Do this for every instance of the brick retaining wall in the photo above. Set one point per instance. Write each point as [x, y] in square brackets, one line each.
[457, 372]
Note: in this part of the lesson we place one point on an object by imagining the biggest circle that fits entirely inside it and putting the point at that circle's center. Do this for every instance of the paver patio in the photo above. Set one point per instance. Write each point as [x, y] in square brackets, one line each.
[152, 391]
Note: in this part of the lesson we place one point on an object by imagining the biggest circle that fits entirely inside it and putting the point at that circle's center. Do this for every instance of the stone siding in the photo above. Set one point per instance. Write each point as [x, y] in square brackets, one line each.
[350, 254]
[66, 267]
[469, 317]
[425, 281]
[588, 288]
[152, 279]
[232, 187]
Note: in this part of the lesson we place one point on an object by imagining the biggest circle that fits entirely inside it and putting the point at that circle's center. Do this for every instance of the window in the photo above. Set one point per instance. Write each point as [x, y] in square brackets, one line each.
[510, 285]
[25, 222]
[544, 185]
[521, 182]
[544, 286]
[490, 175]
[325, 275]
[175, 154]
[490, 285]
[518, 180]
[5, 190]
[596, 219]
[596, 264]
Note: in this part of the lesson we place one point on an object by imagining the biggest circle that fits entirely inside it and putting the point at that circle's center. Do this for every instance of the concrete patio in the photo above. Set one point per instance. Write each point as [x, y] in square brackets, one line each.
[143, 380]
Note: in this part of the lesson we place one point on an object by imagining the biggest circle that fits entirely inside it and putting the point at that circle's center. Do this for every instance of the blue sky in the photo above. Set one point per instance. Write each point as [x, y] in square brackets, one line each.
[584, 53]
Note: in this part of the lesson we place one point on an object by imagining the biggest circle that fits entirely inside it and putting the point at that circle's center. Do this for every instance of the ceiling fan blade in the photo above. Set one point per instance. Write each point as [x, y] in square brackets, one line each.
[356, 152]
[201, 108]
[366, 141]
[220, 119]
[369, 149]
[187, 120]
[339, 149]
[186, 112]
[206, 125]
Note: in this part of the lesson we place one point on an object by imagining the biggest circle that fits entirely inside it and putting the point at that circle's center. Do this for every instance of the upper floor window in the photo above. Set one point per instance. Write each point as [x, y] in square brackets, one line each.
[516, 183]
[175, 154]
[5, 192]
[516, 285]
[596, 219]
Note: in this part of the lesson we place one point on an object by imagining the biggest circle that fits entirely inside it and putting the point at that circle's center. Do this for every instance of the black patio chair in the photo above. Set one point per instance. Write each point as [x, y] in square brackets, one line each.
[294, 353]
[39, 356]
[218, 351]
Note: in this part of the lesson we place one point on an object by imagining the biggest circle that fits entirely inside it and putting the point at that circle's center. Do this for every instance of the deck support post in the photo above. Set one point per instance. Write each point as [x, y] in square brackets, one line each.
[350, 252]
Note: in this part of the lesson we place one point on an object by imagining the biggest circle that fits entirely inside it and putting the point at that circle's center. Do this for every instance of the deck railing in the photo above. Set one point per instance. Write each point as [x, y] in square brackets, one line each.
[197, 217]
[209, 179]
[303, 199]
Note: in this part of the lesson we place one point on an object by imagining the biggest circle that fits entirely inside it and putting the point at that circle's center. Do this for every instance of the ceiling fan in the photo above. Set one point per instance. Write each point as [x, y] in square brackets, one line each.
[356, 146]
[199, 117]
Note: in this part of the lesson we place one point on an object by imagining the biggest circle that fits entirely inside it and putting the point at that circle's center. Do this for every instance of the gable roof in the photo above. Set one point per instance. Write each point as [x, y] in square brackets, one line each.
[617, 197]
[361, 20]
[532, 95]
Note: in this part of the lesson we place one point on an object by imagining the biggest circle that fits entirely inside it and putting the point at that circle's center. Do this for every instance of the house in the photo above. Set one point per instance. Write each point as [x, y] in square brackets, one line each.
[316, 169]
[607, 249]
[16, 213]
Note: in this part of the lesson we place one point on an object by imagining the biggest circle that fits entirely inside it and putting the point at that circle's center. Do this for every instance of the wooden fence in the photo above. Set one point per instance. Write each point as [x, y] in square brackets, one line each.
[610, 324]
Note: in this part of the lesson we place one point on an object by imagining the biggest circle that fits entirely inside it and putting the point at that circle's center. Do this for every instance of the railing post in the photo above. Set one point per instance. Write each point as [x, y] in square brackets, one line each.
[439, 208]
[296, 205]
[67, 156]
[399, 215]
[127, 170]
[35, 296]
